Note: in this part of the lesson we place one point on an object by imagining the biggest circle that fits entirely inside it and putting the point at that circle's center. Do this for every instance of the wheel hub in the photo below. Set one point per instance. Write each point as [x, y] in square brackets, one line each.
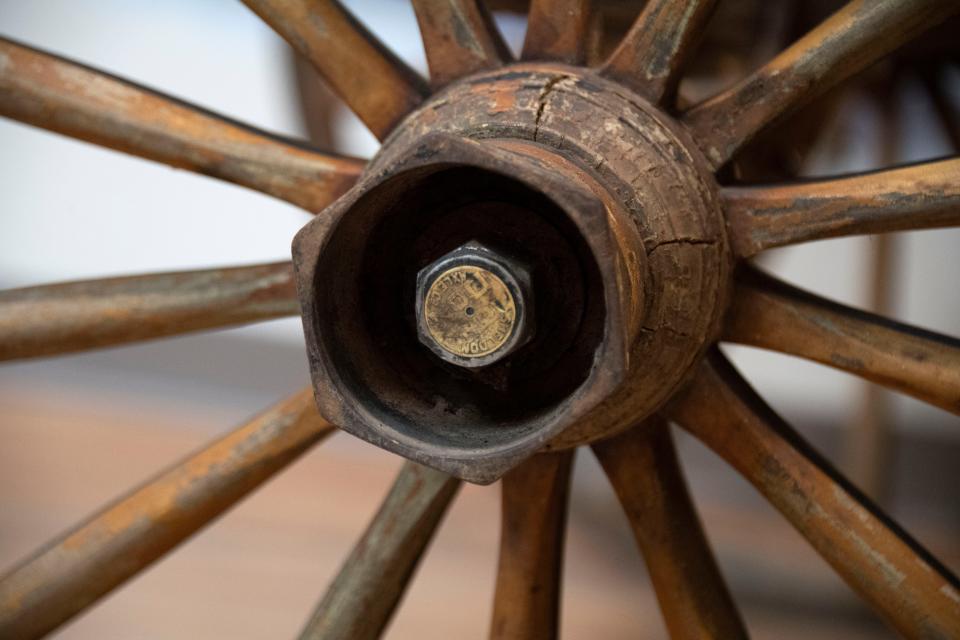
[610, 210]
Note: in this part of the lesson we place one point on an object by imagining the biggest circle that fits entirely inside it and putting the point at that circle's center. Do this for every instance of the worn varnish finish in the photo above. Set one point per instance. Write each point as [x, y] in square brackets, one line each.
[647, 169]
[562, 31]
[650, 58]
[772, 315]
[364, 594]
[479, 441]
[920, 196]
[76, 570]
[908, 588]
[854, 37]
[587, 145]
[532, 527]
[74, 316]
[374, 83]
[459, 38]
[643, 468]
[50, 92]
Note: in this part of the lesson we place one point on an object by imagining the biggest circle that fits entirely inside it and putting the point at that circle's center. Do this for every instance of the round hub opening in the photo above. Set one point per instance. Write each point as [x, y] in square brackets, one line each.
[440, 375]
[535, 259]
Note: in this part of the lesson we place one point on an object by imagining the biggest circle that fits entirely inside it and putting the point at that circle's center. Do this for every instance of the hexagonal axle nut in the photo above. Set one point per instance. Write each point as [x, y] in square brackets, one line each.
[474, 306]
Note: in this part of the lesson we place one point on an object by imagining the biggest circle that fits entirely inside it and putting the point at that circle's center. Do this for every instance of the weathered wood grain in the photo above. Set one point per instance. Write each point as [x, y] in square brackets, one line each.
[643, 468]
[650, 58]
[860, 33]
[921, 196]
[368, 588]
[51, 92]
[374, 83]
[76, 316]
[561, 31]
[77, 569]
[459, 38]
[913, 592]
[770, 314]
[529, 574]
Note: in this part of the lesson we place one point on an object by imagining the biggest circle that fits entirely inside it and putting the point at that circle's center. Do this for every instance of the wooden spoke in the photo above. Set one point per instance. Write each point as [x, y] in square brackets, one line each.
[527, 601]
[459, 38]
[770, 314]
[75, 316]
[643, 469]
[911, 590]
[650, 58]
[374, 83]
[56, 94]
[79, 568]
[920, 196]
[860, 33]
[559, 30]
[362, 598]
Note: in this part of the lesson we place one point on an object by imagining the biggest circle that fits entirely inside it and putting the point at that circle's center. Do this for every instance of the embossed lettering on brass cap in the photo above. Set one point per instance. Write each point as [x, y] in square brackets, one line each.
[474, 306]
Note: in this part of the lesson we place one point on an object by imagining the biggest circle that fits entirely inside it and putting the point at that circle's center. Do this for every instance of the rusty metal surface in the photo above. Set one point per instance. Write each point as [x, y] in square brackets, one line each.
[56, 94]
[532, 531]
[772, 315]
[643, 468]
[920, 196]
[75, 316]
[374, 83]
[359, 603]
[892, 572]
[857, 35]
[650, 57]
[459, 38]
[77, 569]
[562, 31]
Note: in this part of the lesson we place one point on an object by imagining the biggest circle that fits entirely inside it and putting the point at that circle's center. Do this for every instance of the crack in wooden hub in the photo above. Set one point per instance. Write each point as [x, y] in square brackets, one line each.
[616, 209]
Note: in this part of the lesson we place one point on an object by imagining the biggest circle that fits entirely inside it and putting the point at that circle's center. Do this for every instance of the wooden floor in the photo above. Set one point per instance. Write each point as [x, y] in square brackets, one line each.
[257, 572]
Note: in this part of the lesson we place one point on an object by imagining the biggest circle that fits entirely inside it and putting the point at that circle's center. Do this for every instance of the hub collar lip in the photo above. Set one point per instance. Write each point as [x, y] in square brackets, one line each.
[477, 462]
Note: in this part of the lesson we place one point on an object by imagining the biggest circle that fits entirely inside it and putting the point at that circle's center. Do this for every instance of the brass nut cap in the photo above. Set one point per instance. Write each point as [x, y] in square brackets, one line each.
[474, 306]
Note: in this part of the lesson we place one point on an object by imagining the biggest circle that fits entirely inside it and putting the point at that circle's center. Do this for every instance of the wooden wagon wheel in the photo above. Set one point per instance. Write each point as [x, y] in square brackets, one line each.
[560, 225]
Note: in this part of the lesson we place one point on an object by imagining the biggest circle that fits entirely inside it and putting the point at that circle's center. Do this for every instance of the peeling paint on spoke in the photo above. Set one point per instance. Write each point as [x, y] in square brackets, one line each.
[459, 38]
[77, 316]
[860, 33]
[74, 571]
[921, 196]
[47, 91]
[772, 315]
[913, 592]
[374, 83]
